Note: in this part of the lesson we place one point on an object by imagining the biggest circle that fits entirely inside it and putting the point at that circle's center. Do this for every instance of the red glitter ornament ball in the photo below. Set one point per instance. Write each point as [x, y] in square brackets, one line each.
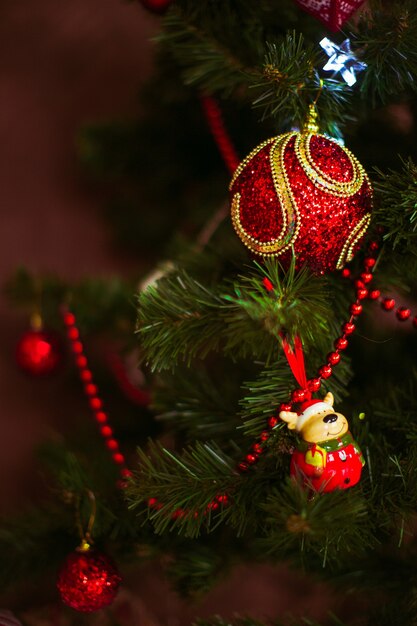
[302, 191]
[38, 352]
[88, 581]
[333, 13]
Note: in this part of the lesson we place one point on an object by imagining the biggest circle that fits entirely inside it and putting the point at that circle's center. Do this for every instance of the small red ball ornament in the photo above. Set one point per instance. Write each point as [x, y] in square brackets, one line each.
[302, 191]
[159, 7]
[38, 352]
[88, 581]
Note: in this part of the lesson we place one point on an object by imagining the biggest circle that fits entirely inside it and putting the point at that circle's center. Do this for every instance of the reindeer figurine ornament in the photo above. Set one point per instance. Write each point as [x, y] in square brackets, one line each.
[328, 457]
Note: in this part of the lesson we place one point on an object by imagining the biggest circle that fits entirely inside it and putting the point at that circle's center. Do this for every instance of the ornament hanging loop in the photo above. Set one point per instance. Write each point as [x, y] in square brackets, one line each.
[311, 125]
[85, 534]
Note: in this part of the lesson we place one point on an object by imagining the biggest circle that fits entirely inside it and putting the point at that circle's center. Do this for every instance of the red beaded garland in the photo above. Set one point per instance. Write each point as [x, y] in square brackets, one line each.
[299, 395]
[341, 343]
[374, 294]
[362, 293]
[366, 277]
[92, 393]
[88, 581]
[333, 358]
[314, 384]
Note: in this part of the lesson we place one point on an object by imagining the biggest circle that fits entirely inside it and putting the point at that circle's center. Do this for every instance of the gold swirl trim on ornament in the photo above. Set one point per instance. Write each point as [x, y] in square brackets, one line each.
[289, 212]
[247, 159]
[323, 180]
[357, 233]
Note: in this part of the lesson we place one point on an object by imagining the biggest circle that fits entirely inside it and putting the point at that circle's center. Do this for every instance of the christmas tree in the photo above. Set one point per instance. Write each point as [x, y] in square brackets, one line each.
[259, 402]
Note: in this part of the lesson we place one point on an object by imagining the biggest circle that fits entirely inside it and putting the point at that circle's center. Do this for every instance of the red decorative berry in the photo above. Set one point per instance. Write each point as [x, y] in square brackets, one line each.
[223, 498]
[373, 246]
[96, 404]
[298, 395]
[118, 458]
[101, 417]
[359, 284]
[88, 581]
[366, 277]
[361, 293]
[73, 333]
[369, 263]
[272, 422]
[264, 436]
[90, 389]
[374, 294]
[243, 467]
[81, 361]
[341, 343]
[106, 431]
[346, 272]
[356, 309]
[112, 444]
[257, 448]
[403, 313]
[38, 353]
[69, 319]
[77, 347]
[325, 371]
[285, 406]
[251, 458]
[86, 376]
[314, 384]
[333, 358]
[388, 304]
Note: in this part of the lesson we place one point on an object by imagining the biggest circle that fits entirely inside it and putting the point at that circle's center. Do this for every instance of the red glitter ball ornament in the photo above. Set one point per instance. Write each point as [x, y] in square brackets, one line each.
[302, 191]
[333, 13]
[88, 581]
[38, 352]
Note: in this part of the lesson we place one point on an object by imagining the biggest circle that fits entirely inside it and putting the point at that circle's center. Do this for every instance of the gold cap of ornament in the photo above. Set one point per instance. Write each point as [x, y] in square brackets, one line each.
[311, 124]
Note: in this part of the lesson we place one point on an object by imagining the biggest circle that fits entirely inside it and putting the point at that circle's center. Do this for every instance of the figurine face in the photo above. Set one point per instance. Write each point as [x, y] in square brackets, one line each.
[317, 425]
[323, 426]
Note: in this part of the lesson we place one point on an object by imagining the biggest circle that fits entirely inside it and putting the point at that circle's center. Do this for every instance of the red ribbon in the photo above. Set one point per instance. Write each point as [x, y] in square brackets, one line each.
[295, 358]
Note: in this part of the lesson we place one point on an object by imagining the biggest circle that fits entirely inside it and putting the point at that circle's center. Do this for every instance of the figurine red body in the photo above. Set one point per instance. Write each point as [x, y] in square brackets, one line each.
[328, 457]
[338, 464]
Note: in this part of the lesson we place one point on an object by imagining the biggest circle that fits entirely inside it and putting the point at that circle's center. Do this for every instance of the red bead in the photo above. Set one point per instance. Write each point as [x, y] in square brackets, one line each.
[112, 444]
[88, 581]
[366, 277]
[314, 384]
[348, 328]
[388, 304]
[272, 422]
[355, 308]
[298, 395]
[374, 294]
[403, 313]
[38, 353]
[346, 272]
[81, 361]
[341, 343]
[106, 431]
[223, 498]
[267, 284]
[90, 389]
[373, 246]
[325, 371]
[264, 436]
[333, 358]
[178, 514]
[69, 319]
[359, 284]
[86, 376]
[212, 506]
[118, 458]
[95, 403]
[243, 467]
[284, 406]
[101, 417]
[369, 263]
[73, 333]
[415, 321]
[152, 502]
[251, 458]
[126, 473]
[77, 347]
[257, 448]
[361, 294]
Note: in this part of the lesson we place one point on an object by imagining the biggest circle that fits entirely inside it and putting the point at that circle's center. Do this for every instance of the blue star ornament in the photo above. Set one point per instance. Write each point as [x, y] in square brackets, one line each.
[342, 60]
